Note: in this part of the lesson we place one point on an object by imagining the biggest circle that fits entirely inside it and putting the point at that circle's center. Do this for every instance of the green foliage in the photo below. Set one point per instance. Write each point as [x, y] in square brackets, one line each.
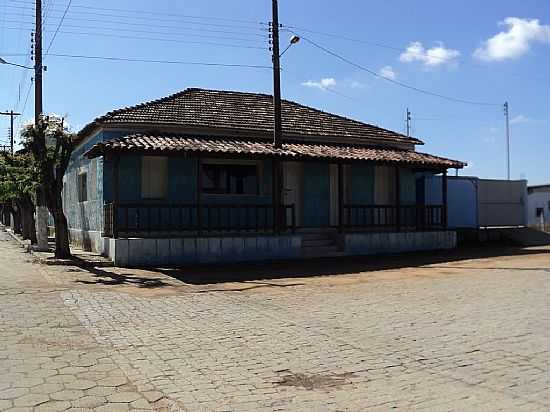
[18, 176]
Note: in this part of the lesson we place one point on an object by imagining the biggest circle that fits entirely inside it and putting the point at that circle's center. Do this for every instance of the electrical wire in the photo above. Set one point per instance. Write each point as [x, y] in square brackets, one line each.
[59, 26]
[396, 82]
[140, 60]
[149, 19]
[156, 13]
[158, 26]
[118, 36]
[118, 29]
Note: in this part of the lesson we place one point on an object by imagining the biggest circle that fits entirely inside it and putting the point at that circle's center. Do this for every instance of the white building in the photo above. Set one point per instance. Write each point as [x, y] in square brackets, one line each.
[539, 206]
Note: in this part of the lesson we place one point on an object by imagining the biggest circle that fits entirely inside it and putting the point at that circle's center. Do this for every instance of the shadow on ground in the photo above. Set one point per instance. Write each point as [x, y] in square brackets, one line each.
[256, 275]
[249, 272]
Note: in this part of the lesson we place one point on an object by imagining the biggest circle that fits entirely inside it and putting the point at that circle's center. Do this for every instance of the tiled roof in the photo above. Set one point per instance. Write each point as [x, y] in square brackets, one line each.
[167, 144]
[238, 111]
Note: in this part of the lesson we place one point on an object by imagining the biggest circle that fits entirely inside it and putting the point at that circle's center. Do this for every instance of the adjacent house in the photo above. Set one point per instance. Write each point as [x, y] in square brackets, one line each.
[195, 177]
[539, 207]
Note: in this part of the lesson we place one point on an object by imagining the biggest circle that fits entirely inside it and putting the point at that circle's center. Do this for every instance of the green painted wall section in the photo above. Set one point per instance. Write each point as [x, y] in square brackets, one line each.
[362, 184]
[316, 194]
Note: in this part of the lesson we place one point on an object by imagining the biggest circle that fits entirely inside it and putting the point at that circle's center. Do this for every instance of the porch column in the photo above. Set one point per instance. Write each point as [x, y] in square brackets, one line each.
[199, 195]
[340, 197]
[276, 195]
[444, 191]
[116, 195]
[397, 199]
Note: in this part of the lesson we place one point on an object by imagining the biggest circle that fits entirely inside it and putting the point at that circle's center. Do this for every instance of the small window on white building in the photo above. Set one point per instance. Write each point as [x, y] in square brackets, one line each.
[83, 187]
[154, 177]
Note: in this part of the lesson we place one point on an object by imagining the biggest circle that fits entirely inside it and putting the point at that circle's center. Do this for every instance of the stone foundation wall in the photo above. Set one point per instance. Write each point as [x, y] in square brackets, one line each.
[172, 252]
[387, 243]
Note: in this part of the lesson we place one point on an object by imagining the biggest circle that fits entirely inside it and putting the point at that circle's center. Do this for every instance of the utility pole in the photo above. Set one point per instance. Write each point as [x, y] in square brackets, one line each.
[11, 114]
[41, 209]
[507, 115]
[277, 118]
[277, 131]
[408, 122]
[38, 64]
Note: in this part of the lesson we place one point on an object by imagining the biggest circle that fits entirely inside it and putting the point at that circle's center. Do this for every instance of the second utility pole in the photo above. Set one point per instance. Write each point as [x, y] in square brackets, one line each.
[11, 114]
[277, 120]
[507, 114]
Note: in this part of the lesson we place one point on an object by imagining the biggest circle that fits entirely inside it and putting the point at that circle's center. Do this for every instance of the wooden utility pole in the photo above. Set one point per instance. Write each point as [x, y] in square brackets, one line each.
[38, 68]
[507, 115]
[277, 118]
[41, 209]
[11, 114]
[408, 122]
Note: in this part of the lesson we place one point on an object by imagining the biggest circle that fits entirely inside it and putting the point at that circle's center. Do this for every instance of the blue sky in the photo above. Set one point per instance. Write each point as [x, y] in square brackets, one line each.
[489, 51]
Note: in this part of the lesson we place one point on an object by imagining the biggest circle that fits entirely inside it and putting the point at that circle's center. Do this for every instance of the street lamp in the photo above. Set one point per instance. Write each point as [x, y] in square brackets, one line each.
[2, 61]
[293, 40]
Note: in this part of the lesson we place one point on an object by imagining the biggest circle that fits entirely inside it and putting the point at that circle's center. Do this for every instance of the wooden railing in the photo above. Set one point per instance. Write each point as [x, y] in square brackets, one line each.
[416, 217]
[180, 219]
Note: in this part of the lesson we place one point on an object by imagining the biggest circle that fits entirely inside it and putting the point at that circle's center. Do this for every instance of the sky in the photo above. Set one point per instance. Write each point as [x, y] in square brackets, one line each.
[471, 52]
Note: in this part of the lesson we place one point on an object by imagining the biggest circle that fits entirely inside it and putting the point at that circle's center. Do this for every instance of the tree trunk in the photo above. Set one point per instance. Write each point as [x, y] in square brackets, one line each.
[41, 221]
[62, 247]
[16, 220]
[29, 225]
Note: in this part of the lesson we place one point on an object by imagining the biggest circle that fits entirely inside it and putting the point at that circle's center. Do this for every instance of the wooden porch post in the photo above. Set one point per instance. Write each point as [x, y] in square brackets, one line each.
[397, 198]
[340, 197]
[445, 201]
[199, 195]
[276, 194]
[115, 179]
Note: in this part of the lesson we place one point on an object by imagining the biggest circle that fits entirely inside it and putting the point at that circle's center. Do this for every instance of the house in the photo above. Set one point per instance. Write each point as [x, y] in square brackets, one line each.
[195, 177]
[539, 206]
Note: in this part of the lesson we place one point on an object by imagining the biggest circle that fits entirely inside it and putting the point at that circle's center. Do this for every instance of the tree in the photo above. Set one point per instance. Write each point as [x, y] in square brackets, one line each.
[18, 182]
[51, 146]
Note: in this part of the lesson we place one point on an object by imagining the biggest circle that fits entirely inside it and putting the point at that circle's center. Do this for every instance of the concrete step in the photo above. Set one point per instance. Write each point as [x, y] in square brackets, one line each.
[317, 242]
[323, 251]
[526, 236]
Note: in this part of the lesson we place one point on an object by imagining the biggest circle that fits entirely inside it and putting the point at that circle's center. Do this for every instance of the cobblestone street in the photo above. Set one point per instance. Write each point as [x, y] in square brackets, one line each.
[460, 335]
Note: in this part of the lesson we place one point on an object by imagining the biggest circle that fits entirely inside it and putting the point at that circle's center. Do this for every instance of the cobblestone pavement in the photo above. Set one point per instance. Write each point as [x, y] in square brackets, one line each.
[457, 336]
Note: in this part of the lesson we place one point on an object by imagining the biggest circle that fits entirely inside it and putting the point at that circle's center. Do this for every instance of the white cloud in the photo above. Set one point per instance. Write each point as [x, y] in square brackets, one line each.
[436, 56]
[357, 85]
[515, 41]
[520, 119]
[388, 72]
[323, 84]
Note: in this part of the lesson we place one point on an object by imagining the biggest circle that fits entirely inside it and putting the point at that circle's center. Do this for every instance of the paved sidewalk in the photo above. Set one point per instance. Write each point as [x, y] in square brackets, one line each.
[468, 335]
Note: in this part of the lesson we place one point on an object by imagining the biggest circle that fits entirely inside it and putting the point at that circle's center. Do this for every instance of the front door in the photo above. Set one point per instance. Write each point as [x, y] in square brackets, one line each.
[316, 188]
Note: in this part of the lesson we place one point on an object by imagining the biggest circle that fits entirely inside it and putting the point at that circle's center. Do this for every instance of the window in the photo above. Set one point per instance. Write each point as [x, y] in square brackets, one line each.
[233, 179]
[540, 212]
[83, 187]
[154, 177]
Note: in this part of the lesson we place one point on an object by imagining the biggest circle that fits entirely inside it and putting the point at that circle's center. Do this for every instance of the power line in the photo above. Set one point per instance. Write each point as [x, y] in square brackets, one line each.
[118, 36]
[157, 26]
[156, 13]
[118, 29]
[140, 60]
[149, 18]
[396, 82]
[59, 26]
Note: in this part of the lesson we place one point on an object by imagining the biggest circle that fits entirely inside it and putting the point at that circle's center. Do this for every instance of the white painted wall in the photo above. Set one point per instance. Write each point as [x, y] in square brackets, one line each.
[538, 200]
